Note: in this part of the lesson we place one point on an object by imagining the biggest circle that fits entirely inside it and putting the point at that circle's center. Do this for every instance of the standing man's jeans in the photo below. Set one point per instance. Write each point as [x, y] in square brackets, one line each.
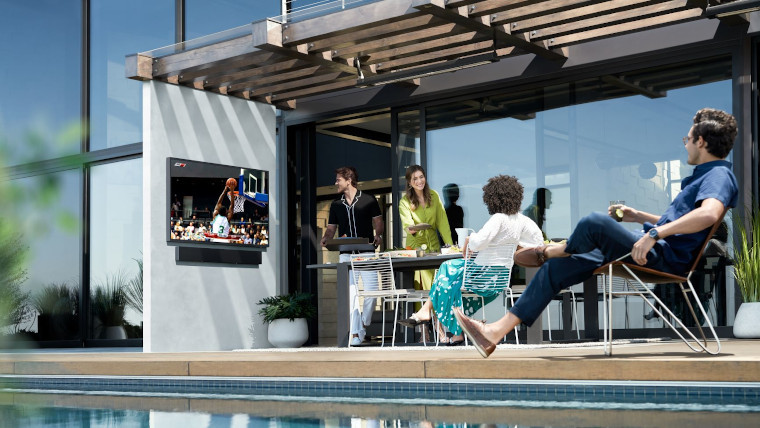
[597, 240]
[369, 282]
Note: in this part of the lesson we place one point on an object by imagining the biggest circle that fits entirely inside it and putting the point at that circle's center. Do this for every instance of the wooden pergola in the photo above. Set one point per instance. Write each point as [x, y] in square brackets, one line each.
[394, 41]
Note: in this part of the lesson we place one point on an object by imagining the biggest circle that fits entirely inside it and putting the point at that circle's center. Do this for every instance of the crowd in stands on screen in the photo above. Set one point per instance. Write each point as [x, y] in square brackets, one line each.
[247, 231]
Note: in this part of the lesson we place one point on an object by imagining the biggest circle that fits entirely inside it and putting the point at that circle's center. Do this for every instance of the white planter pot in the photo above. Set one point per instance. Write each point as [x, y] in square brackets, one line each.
[747, 322]
[284, 333]
[116, 332]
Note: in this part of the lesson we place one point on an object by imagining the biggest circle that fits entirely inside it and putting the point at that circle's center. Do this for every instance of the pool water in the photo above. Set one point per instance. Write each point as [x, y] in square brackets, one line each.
[71, 409]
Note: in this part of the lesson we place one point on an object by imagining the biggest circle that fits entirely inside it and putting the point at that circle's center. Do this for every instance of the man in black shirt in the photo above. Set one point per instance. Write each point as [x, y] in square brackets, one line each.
[354, 215]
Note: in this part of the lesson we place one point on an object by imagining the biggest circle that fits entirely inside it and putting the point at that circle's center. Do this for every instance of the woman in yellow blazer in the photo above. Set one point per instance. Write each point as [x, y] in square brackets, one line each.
[422, 206]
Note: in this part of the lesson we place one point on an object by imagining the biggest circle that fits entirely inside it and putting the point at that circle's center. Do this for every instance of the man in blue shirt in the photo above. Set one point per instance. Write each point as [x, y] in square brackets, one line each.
[666, 243]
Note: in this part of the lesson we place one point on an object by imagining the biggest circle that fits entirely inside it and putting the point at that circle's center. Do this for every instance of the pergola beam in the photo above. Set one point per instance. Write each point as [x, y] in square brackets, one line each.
[268, 35]
[482, 24]
[622, 82]
[390, 39]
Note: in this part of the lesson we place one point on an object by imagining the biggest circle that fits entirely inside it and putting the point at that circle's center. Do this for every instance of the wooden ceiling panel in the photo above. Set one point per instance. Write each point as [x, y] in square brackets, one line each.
[281, 62]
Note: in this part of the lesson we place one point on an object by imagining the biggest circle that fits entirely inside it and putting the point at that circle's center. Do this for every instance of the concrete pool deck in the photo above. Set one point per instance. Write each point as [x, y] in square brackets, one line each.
[739, 361]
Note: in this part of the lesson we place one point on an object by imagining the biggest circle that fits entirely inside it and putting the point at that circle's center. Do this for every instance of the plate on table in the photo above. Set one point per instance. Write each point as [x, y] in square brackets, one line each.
[419, 226]
[403, 253]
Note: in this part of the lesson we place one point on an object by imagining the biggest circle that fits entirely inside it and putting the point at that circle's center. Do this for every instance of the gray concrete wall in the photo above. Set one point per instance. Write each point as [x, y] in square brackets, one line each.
[203, 307]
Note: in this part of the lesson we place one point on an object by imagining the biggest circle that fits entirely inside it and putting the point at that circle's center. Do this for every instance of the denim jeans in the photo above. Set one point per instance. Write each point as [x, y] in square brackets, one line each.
[597, 240]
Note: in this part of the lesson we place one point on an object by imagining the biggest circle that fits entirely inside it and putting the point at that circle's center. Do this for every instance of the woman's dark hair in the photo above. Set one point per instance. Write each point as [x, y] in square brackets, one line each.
[717, 128]
[503, 194]
[348, 173]
[411, 194]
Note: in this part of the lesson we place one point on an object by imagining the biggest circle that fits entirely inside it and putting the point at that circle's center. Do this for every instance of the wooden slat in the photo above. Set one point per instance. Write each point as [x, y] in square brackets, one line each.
[200, 57]
[501, 32]
[351, 20]
[628, 27]
[437, 45]
[400, 40]
[271, 69]
[611, 19]
[256, 59]
[299, 84]
[251, 82]
[493, 6]
[436, 56]
[308, 92]
[404, 26]
[537, 9]
[268, 35]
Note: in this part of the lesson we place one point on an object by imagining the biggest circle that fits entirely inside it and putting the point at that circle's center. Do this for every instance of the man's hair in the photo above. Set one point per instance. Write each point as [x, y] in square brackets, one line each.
[503, 194]
[223, 211]
[348, 173]
[717, 128]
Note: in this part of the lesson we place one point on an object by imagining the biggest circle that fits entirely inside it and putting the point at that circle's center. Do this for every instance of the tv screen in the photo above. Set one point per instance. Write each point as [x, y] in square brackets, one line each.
[202, 211]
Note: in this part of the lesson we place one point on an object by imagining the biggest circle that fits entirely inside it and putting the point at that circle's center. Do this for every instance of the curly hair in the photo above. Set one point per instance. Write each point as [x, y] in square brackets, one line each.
[717, 128]
[503, 194]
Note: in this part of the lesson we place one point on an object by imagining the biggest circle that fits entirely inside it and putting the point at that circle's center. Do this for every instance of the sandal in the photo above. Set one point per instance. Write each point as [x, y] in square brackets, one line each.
[413, 321]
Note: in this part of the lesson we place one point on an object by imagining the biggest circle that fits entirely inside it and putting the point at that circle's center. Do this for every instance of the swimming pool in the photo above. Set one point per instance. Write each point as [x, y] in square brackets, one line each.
[69, 401]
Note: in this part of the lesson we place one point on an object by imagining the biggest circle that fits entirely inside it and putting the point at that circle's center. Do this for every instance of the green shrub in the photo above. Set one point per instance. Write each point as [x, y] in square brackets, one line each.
[290, 306]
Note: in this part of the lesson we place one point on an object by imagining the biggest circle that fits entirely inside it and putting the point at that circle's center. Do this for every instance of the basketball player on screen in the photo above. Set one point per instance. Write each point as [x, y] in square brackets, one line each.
[223, 215]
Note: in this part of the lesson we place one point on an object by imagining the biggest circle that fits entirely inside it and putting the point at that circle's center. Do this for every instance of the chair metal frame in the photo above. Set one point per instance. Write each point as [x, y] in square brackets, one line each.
[637, 277]
[494, 274]
[381, 264]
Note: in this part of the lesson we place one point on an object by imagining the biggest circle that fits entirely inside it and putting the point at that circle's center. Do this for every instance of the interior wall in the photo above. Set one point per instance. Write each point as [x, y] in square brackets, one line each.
[201, 306]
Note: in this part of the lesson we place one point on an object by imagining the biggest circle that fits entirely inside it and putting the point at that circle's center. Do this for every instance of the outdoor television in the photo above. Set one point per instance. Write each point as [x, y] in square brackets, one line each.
[193, 192]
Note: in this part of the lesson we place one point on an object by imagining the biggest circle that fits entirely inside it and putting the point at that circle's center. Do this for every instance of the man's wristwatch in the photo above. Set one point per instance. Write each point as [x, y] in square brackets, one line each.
[654, 234]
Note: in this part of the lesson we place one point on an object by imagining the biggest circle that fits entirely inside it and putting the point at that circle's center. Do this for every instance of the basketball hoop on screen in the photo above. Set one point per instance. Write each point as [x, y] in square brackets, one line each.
[237, 200]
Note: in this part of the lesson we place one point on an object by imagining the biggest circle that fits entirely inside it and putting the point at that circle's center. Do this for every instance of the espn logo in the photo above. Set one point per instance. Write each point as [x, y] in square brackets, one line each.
[180, 164]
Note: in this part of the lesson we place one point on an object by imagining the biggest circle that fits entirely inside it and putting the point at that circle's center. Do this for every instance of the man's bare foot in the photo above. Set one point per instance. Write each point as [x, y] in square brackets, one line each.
[555, 250]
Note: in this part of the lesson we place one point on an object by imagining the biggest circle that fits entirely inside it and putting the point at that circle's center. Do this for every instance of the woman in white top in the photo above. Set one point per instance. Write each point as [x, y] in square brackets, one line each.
[502, 195]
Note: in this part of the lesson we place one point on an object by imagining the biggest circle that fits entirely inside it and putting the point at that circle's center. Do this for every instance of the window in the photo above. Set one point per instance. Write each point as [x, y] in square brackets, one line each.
[116, 245]
[119, 29]
[46, 214]
[40, 108]
[205, 17]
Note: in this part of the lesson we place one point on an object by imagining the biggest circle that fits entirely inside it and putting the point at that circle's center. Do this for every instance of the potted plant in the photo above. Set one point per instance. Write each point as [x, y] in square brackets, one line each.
[109, 306]
[747, 274]
[57, 307]
[286, 316]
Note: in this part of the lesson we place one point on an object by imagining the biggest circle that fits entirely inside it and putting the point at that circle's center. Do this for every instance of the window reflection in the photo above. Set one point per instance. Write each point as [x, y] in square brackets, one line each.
[116, 244]
[27, 106]
[45, 213]
[118, 29]
[586, 142]
[203, 17]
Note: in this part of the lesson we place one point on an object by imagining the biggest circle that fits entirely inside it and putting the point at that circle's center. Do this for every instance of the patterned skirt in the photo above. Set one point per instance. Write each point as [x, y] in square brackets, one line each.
[446, 293]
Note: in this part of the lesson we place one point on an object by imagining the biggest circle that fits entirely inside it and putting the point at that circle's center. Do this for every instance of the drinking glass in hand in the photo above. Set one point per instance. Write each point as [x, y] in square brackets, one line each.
[616, 209]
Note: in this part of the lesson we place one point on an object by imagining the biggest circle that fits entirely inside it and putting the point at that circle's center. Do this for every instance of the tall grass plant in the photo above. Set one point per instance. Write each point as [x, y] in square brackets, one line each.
[747, 255]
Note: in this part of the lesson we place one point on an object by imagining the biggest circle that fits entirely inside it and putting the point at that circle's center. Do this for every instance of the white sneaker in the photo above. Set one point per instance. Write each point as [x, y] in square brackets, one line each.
[355, 341]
